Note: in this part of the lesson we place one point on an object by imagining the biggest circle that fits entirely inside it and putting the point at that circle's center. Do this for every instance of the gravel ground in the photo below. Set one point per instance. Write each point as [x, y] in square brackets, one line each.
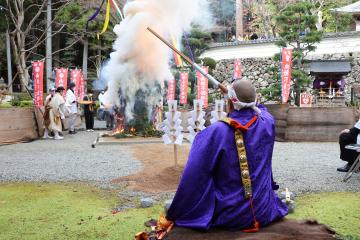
[302, 167]
[71, 159]
[311, 167]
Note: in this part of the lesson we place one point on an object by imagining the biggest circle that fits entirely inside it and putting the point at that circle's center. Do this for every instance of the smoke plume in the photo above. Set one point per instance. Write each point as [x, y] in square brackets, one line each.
[140, 61]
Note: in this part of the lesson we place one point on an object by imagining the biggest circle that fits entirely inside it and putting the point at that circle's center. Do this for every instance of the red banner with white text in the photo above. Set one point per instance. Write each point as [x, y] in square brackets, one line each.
[286, 64]
[171, 89]
[61, 78]
[184, 80]
[38, 76]
[237, 69]
[203, 87]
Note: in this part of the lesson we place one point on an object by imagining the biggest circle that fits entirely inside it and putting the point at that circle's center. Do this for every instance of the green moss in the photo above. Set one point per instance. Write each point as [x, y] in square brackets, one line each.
[66, 211]
[6, 105]
[80, 211]
[340, 211]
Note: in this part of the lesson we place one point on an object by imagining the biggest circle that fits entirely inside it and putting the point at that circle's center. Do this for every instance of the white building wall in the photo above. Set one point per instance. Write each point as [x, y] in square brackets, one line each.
[329, 45]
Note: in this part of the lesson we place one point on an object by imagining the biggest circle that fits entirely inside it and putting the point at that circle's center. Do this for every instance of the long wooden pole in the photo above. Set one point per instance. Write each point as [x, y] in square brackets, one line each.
[188, 60]
[175, 155]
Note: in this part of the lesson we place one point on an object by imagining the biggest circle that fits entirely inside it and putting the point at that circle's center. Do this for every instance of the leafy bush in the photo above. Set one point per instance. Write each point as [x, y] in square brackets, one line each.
[26, 103]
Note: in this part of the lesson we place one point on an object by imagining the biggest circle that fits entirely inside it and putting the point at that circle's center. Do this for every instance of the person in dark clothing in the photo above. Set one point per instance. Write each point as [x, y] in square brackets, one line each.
[348, 136]
[89, 111]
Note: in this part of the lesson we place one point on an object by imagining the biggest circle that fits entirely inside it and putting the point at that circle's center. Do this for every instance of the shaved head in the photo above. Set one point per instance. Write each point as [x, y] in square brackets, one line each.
[245, 91]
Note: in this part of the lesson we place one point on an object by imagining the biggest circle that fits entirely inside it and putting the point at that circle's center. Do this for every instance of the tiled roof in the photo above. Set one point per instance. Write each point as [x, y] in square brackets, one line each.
[352, 8]
[273, 40]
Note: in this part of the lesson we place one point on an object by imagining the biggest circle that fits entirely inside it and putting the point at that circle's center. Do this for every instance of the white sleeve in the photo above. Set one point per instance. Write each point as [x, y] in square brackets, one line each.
[357, 125]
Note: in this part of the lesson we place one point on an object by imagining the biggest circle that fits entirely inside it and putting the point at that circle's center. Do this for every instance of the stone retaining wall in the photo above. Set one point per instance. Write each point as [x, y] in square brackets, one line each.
[257, 70]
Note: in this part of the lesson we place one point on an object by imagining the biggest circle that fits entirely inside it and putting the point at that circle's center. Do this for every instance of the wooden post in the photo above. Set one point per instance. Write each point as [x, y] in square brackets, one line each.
[175, 155]
[239, 19]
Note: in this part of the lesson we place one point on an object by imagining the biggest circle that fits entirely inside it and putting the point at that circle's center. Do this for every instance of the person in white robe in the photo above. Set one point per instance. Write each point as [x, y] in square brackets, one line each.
[71, 104]
[57, 112]
[47, 113]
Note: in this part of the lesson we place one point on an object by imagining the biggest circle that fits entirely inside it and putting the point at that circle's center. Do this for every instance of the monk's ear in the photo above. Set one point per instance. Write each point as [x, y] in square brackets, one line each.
[230, 106]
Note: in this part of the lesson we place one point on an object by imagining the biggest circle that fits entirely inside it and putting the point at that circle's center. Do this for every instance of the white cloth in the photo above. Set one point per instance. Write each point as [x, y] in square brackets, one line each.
[101, 100]
[71, 102]
[240, 105]
[357, 125]
[57, 111]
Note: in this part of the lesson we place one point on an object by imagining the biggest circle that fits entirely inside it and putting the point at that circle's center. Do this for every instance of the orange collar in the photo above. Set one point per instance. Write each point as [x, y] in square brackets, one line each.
[235, 124]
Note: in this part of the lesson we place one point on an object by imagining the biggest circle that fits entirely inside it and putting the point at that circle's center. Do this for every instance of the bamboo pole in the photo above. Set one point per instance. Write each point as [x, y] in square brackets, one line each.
[188, 60]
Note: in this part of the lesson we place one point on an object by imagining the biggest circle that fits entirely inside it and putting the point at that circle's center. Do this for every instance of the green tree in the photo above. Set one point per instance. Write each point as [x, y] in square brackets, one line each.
[297, 29]
[75, 16]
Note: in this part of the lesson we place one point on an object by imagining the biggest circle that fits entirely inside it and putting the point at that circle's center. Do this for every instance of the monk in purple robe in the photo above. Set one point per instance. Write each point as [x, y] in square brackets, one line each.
[211, 193]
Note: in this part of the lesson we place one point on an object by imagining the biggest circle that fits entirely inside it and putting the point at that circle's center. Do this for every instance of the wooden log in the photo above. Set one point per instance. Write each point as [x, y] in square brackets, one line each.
[280, 123]
[321, 116]
[279, 111]
[17, 124]
[21, 134]
[314, 133]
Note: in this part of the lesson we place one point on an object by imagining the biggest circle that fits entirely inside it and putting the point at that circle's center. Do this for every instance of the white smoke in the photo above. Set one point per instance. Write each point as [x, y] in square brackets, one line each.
[140, 60]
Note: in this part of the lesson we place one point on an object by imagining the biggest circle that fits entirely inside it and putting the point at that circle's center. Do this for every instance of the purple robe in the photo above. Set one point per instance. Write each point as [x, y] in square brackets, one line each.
[210, 193]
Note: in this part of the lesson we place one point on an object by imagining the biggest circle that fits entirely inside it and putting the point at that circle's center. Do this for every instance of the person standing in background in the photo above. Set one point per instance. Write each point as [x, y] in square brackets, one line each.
[57, 110]
[47, 113]
[89, 111]
[71, 103]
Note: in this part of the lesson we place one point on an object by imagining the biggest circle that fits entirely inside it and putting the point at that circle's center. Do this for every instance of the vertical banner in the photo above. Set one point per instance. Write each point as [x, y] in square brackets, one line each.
[82, 86]
[286, 64]
[38, 76]
[237, 69]
[184, 81]
[171, 89]
[203, 87]
[75, 78]
[61, 77]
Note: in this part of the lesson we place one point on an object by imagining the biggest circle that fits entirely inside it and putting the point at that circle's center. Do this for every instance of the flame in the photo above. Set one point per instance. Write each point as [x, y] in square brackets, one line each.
[132, 130]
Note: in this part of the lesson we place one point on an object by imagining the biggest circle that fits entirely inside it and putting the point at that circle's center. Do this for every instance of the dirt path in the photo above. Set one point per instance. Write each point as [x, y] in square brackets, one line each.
[159, 173]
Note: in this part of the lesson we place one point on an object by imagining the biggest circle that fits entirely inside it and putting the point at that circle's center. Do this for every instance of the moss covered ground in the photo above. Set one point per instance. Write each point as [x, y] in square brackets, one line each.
[80, 211]
[66, 211]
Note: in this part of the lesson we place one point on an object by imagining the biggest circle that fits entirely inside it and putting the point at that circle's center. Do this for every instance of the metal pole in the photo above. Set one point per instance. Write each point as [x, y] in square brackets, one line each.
[8, 56]
[48, 46]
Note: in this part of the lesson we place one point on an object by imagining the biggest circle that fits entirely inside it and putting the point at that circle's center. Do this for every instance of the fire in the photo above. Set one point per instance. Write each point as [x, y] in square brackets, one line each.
[119, 130]
[132, 130]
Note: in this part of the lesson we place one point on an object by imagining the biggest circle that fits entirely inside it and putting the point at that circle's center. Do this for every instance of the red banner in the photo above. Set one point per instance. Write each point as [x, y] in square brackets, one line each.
[38, 76]
[171, 89]
[61, 77]
[82, 86]
[203, 87]
[237, 69]
[286, 64]
[184, 80]
[76, 78]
